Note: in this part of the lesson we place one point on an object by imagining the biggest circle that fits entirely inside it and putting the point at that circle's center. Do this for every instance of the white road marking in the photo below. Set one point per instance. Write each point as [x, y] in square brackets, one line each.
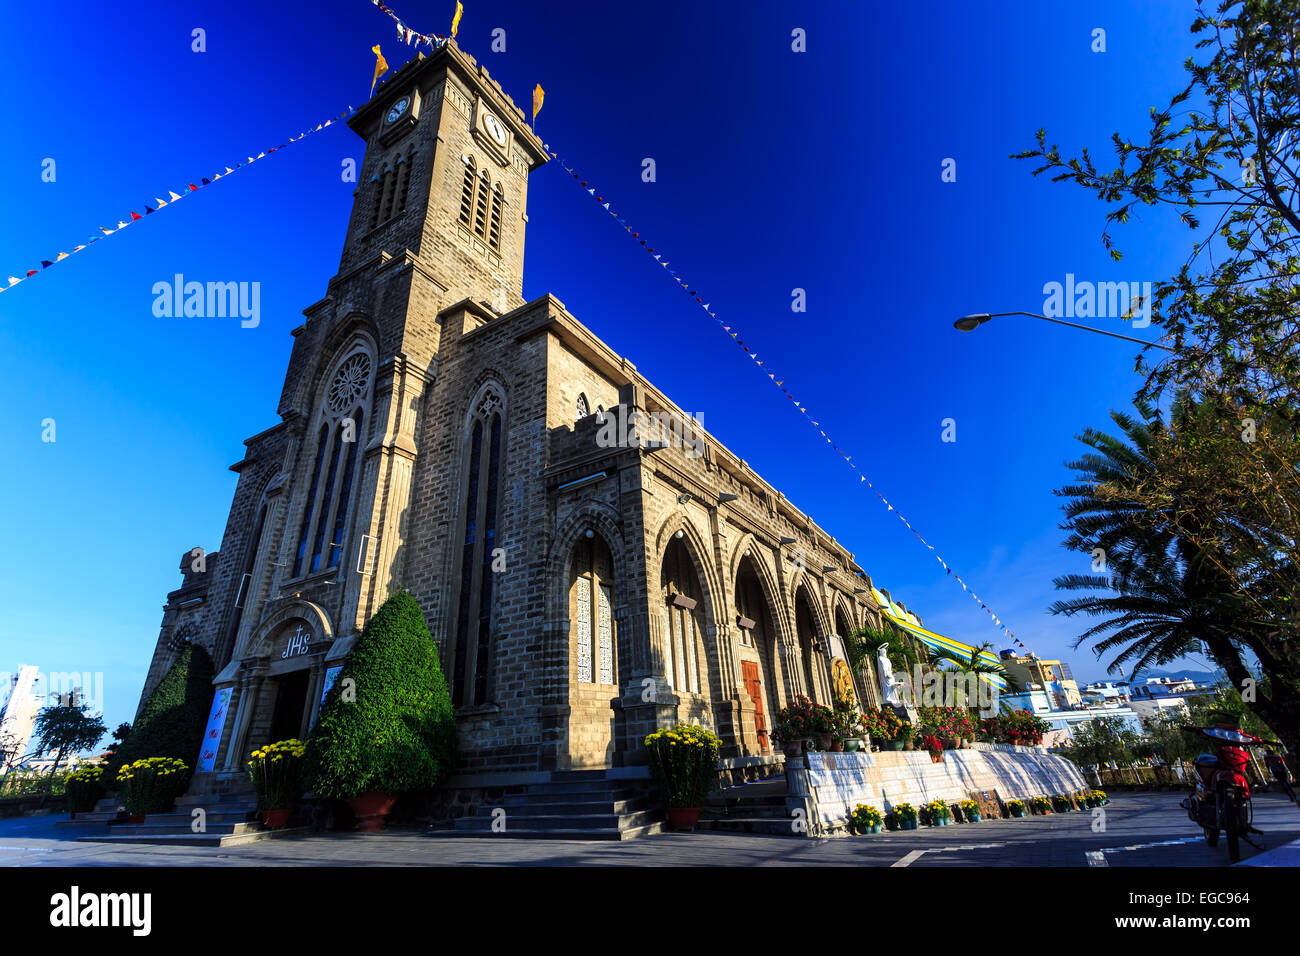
[917, 854]
[1098, 857]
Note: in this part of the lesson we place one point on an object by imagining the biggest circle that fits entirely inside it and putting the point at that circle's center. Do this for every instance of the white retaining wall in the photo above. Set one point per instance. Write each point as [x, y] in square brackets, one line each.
[827, 786]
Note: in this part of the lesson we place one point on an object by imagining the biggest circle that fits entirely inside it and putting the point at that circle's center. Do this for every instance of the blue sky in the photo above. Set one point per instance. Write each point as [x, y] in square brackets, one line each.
[776, 170]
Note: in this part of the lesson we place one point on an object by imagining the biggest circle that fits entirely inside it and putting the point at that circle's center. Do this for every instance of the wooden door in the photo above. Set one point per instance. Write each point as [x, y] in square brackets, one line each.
[754, 687]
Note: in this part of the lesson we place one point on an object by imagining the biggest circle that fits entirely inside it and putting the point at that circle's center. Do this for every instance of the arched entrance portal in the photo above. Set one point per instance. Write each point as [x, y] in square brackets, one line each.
[756, 652]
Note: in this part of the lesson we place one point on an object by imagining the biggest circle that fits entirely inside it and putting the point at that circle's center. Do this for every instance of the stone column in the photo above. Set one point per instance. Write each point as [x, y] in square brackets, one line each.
[388, 462]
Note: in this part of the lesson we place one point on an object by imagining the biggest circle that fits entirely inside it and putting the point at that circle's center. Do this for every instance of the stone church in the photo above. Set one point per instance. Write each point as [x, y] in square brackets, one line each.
[592, 564]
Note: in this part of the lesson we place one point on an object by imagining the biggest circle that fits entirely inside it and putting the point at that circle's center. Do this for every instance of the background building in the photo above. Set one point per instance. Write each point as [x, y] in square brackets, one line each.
[19, 715]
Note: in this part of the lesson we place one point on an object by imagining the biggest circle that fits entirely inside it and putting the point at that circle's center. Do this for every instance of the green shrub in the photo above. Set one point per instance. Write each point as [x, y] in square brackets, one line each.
[387, 723]
[173, 717]
[84, 788]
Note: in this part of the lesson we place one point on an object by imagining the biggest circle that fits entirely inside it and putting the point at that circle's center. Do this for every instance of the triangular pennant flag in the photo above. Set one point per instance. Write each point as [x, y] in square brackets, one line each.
[135, 216]
[174, 197]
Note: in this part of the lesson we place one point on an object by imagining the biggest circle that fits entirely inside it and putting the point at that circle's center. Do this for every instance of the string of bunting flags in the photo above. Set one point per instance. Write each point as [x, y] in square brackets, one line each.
[172, 197]
[690, 289]
[413, 38]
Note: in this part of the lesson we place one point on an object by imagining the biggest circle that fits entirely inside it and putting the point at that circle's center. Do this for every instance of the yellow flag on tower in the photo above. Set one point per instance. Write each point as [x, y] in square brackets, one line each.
[455, 21]
[538, 95]
[381, 67]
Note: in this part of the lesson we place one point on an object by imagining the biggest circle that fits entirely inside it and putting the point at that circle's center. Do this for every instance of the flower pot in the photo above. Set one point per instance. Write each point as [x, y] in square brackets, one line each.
[824, 741]
[371, 808]
[949, 743]
[941, 821]
[973, 818]
[907, 824]
[683, 818]
[837, 746]
[275, 819]
[909, 745]
[852, 745]
[793, 748]
[936, 758]
[895, 745]
[1018, 814]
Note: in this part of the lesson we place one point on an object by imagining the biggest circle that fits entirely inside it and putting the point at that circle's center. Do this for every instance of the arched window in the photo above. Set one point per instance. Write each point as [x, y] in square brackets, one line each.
[467, 192]
[591, 600]
[481, 205]
[582, 409]
[494, 221]
[403, 181]
[485, 441]
[333, 477]
[681, 596]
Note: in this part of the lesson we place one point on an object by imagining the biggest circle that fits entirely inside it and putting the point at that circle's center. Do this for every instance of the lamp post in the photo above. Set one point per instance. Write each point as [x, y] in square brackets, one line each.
[969, 323]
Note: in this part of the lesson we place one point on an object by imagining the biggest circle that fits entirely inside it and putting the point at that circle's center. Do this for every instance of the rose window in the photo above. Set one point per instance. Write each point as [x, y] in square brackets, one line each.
[348, 384]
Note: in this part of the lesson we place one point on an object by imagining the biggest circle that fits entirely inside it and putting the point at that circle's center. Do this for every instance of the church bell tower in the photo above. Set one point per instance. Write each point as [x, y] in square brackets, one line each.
[445, 178]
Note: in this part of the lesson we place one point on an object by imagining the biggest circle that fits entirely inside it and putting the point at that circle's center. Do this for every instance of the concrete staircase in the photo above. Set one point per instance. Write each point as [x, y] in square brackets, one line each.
[749, 808]
[573, 805]
[230, 820]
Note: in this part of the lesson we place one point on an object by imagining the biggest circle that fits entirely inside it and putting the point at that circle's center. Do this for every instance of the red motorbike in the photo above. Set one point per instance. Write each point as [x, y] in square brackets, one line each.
[1221, 801]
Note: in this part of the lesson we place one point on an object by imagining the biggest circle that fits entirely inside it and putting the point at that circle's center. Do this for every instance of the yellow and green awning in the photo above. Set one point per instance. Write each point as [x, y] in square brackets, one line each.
[946, 646]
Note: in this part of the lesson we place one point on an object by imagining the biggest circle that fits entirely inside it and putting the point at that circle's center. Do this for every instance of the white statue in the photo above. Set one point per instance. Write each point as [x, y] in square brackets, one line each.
[889, 684]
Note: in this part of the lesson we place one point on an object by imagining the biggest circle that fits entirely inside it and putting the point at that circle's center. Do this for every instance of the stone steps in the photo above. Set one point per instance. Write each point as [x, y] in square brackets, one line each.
[772, 826]
[226, 823]
[586, 833]
[196, 839]
[572, 805]
[749, 808]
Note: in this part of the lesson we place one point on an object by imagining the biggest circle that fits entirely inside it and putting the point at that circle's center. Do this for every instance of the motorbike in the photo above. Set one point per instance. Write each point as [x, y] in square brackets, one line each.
[1221, 801]
[1277, 767]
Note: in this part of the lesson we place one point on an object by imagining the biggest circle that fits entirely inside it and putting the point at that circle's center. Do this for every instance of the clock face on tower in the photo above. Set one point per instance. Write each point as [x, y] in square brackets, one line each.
[494, 128]
[398, 109]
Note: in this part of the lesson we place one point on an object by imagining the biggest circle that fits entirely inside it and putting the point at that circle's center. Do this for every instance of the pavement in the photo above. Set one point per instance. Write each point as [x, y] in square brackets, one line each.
[1138, 829]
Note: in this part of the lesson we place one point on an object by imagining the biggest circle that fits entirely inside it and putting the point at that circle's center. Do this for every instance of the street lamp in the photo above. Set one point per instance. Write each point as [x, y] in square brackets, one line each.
[969, 323]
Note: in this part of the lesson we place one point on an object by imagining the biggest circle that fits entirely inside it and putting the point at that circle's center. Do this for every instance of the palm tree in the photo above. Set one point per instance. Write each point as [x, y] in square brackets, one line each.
[1161, 598]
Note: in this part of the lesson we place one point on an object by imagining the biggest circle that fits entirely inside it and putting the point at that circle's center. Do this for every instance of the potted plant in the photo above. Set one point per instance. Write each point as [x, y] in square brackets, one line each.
[1016, 808]
[1041, 805]
[934, 746]
[151, 785]
[970, 811]
[684, 763]
[1061, 803]
[276, 771]
[847, 728]
[937, 813]
[866, 819]
[387, 725]
[1100, 798]
[795, 723]
[887, 728]
[904, 816]
[823, 726]
[83, 790]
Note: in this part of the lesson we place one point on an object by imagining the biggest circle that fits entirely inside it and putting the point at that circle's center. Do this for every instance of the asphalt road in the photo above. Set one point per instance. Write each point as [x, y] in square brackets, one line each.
[1141, 829]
